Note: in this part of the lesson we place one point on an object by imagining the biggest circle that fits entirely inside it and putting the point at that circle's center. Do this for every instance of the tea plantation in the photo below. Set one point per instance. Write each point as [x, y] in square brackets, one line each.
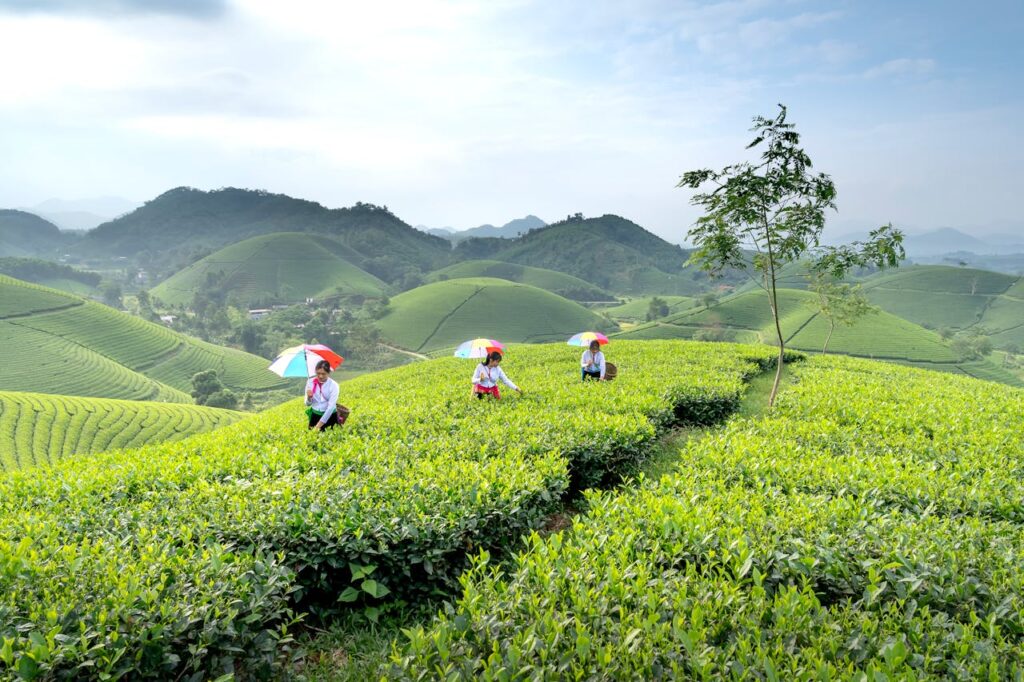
[279, 267]
[63, 344]
[42, 429]
[872, 527]
[196, 558]
[444, 314]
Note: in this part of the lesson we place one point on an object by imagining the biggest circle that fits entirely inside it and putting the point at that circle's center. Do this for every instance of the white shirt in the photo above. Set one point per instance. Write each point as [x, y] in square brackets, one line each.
[324, 399]
[593, 361]
[490, 376]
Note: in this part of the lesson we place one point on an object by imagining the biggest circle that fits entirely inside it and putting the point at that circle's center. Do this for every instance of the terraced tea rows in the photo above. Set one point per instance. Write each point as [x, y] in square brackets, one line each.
[445, 314]
[870, 528]
[43, 429]
[187, 558]
[58, 343]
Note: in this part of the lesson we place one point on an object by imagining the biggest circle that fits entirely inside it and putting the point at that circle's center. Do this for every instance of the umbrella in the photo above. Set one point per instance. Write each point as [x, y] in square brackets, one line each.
[478, 348]
[300, 361]
[586, 338]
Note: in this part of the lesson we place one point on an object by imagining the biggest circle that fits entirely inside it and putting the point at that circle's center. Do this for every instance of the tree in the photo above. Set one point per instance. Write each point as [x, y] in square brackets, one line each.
[111, 292]
[708, 299]
[971, 345]
[657, 308]
[776, 207]
[207, 389]
[839, 304]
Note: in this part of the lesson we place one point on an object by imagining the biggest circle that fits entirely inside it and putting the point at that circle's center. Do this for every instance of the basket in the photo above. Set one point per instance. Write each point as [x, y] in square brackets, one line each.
[610, 371]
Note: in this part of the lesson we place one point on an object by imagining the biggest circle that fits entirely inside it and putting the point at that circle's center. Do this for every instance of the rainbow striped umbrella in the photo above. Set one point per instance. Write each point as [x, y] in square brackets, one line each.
[478, 348]
[300, 361]
[585, 338]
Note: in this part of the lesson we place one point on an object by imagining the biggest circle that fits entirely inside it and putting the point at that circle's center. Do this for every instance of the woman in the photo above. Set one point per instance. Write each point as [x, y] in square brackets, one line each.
[593, 363]
[322, 398]
[487, 376]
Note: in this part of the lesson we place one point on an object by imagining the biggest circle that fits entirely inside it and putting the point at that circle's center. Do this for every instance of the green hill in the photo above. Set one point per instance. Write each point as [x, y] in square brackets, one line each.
[444, 314]
[59, 343]
[746, 317]
[959, 299]
[276, 268]
[41, 429]
[26, 235]
[636, 310]
[175, 224]
[559, 283]
[612, 252]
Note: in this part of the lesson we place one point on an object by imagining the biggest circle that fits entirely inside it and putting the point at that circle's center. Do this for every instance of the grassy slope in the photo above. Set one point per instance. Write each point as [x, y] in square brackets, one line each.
[551, 280]
[286, 266]
[41, 429]
[746, 317]
[958, 298]
[636, 309]
[59, 343]
[444, 314]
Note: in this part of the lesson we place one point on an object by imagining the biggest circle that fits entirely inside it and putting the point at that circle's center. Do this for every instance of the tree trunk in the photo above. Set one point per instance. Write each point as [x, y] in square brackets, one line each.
[831, 328]
[774, 302]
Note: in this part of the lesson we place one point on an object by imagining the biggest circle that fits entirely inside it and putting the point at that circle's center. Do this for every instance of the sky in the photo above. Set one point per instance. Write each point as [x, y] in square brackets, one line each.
[457, 113]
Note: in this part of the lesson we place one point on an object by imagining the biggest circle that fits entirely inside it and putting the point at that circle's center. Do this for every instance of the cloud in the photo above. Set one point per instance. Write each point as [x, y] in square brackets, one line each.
[196, 9]
[895, 68]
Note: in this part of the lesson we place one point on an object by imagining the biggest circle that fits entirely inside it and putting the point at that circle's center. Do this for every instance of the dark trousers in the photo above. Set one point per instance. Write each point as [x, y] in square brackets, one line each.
[331, 422]
[596, 376]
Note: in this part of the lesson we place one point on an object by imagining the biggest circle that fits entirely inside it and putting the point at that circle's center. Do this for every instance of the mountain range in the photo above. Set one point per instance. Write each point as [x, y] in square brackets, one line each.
[510, 230]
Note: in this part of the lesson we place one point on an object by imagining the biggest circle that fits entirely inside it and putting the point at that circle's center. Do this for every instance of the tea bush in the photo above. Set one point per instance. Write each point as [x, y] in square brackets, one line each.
[193, 558]
[870, 528]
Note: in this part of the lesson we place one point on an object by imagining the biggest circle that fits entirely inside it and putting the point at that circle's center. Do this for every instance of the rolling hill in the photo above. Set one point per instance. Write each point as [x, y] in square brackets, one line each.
[746, 317]
[283, 267]
[940, 296]
[559, 283]
[444, 314]
[176, 223]
[59, 343]
[37, 429]
[612, 252]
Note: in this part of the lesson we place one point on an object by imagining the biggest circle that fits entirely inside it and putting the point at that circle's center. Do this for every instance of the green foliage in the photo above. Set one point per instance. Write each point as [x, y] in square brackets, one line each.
[870, 528]
[207, 389]
[111, 293]
[276, 268]
[657, 308]
[445, 314]
[38, 429]
[40, 271]
[971, 345]
[777, 207]
[840, 304]
[192, 558]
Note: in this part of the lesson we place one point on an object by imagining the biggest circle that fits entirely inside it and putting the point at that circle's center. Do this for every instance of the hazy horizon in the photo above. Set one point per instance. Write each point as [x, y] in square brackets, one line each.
[462, 114]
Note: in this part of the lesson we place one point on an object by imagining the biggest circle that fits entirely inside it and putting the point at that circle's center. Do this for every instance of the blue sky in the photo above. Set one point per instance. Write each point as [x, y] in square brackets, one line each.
[461, 113]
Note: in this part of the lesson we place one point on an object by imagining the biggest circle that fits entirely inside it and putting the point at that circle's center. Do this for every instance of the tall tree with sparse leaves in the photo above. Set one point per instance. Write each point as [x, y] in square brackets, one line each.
[775, 207]
[840, 304]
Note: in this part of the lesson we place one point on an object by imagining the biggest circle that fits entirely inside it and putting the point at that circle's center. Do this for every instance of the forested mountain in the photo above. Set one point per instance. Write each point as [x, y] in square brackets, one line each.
[185, 220]
[609, 251]
[26, 235]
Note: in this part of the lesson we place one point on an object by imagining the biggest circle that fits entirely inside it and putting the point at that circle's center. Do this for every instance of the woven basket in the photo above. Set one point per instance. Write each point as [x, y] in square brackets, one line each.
[610, 371]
